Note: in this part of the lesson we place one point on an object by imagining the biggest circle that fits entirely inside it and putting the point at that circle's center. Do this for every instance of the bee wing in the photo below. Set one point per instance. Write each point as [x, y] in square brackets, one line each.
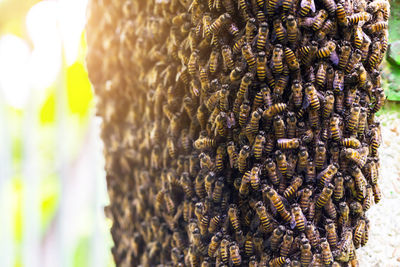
[231, 120]
[312, 5]
[306, 102]
[334, 58]
[293, 222]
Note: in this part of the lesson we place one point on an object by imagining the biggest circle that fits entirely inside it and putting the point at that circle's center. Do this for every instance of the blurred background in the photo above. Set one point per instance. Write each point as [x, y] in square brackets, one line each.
[52, 180]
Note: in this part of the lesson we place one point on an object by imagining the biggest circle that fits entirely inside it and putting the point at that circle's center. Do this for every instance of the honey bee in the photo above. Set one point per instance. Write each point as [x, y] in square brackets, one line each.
[357, 17]
[354, 59]
[244, 114]
[291, 190]
[254, 177]
[310, 172]
[377, 27]
[343, 220]
[365, 235]
[328, 105]
[233, 30]
[291, 59]
[341, 15]
[252, 126]
[214, 244]
[249, 56]
[235, 254]
[270, 166]
[326, 175]
[237, 46]
[284, 143]
[320, 77]
[286, 244]
[326, 50]
[281, 162]
[276, 237]
[326, 252]
[258, 146]
[193, 61]
[312, 234]
[338, 192]
[278, 261]
[234, 217]
[264, 217]
[319, 19]
[277, 55]
[320, 155]
[227, 57]
[377, 193]
[358, 233]
[324, 197]
[306, 6]
[331, 233]
[312, 97]
[261, 66]
[250, 30]
[308, 53]
[297, 93]
[279, 127]
[213, 61]
[298, 218]
[273, 196]
[242, 159]
[353, 118]
[292, 29]
[263, 31]
[328, 28]
[233, 155]
[291, 125]
[216, 26]
[306, 255]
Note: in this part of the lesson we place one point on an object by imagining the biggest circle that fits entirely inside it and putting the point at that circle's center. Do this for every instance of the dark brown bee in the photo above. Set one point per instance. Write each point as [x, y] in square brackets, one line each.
[277, 55]
[227, 57]
[249, 56]
[324, 197]
[319, 19]
[326, 253]
[291, 190]
[277, 203]
[261, 66]
[306, 255]
[271, 168]
[286, 243]
[264, 217]
[298, 218]
[234, 253]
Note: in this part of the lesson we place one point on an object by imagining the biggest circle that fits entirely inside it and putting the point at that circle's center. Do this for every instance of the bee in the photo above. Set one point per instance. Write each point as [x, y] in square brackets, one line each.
[286, 243]
[291, 59]
[291, 190]
[326, 175]
[338, 192]
[292, 29]
[235, 254]
[265, 218]
[244, 114]
[298, 218]
[380, 100]
[320, 155]
[234, 217]
[278, 261]
[270, 166]
[297, 93]
[216, 26]
[320, 78]
[254, 177]
[328, 104]
[214, 244]
[193, 61]
[242, 159]
[249, 56]
[281, 85]
[276, 237]
[328, 28]
[279, 127]
[319, 19]
[312, 234]
[244, 85]
[277, 54]
[358, 37]
[213, 61]
[358, 233]
[284, 143]
[303, 159]
[227, 57]
[357, 17]
[267, 98]
[258, 146]
[374, 55]
[262, 36]
[271, 7]
[306, 255]
[365, 235]
[251, 29]
[233, 155]
[274, 110]
[354, 59]
[273, 196]
[353, 118]
[326, 252]
[252, 127]
[341, 15]
[306, 6]
[368, 198]
[338, 82]
[308, 53]
[261, 66]
[233, 30]
[330, 209]
[344, 211]
[377, 27]
[312, 96]
[331, 233]
[310, 172]
[237, 46]
[281, 161]
[291, 123]
[326, 50]
[248, 245]
[217, 193]
[324, 197]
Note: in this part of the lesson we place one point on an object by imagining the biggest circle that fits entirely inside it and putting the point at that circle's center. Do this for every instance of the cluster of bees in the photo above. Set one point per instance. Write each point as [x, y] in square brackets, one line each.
[239, 132]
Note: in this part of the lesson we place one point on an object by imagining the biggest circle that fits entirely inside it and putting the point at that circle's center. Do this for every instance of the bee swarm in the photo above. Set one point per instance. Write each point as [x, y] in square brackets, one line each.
[239, 132]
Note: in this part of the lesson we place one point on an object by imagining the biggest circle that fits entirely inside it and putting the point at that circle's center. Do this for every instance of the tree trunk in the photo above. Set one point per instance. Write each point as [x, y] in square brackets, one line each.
[238, 132]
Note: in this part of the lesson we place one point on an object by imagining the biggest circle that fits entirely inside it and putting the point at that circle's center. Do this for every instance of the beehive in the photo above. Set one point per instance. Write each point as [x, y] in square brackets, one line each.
[239, 132]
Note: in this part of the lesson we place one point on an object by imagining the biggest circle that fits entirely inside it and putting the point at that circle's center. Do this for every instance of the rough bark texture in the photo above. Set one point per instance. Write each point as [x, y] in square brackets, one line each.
[239, 132]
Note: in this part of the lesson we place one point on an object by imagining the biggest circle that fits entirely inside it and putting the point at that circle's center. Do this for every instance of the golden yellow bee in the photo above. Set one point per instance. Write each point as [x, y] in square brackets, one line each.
[291, 59]
[298, 218]
[277, 55]
[326, 252]
[324, 197]
[262, 36]
[326, 50]
[217, 24]
[261, 66]
[284, 143]
[265, 218]
[276, 237]
[319, 19]
[249, 55]
[306, 6]
[306, 255]
[251, 29]
[354, 59]
[271, 168]
[286, 244]
[273, 196]
[227, 57]
[214, 244]
[312, 96]
[291, 190]
[242, 159]
[327, 174]
[357, 17]
[235, 254]
[292, 30]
